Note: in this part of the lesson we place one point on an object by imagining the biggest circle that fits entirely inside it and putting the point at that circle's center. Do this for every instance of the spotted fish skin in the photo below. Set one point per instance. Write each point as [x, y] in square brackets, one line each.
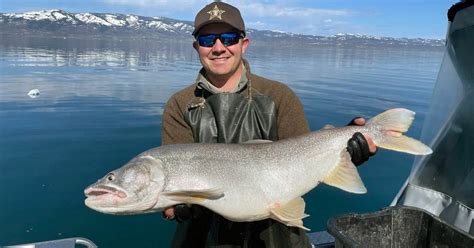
[247, 182]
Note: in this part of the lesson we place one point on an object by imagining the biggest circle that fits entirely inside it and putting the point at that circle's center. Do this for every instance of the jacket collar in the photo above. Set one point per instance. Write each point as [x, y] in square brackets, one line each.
[203, 83]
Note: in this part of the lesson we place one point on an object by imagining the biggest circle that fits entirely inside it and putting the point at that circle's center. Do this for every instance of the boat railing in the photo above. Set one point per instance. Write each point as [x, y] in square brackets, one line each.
[60, 243]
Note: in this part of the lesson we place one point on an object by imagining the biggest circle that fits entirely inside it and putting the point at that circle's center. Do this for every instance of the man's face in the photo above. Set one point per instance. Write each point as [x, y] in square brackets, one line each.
[219, 60]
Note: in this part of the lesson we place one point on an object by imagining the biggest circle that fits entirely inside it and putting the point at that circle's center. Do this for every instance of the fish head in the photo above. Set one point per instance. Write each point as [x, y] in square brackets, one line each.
[133, 188]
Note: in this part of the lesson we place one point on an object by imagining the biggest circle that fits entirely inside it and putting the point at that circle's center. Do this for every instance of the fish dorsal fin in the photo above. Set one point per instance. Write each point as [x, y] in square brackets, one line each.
[194, 196]
[290, 214]
[328, 126]
[345, 176]
[257, 141]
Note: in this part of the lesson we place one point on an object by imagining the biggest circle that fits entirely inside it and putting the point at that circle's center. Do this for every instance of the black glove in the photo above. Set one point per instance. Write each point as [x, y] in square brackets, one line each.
[182, 212]
[358, 148]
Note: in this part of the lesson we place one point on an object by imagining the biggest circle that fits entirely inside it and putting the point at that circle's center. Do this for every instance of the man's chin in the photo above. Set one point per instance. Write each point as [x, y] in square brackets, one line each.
[220, 71]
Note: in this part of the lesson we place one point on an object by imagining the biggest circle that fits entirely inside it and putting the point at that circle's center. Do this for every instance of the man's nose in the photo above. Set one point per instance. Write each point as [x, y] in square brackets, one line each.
[218, 47]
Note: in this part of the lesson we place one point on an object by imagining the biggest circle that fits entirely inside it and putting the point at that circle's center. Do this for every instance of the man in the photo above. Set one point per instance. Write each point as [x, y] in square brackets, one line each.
[229, 104]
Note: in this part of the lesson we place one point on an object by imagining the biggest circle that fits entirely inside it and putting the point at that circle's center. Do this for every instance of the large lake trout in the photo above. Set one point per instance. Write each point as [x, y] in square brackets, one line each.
[247, 182]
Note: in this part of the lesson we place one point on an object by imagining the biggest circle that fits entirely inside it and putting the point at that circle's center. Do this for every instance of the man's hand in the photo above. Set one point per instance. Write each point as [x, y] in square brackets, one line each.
[360, 146]
[168, 213]
[180, 212]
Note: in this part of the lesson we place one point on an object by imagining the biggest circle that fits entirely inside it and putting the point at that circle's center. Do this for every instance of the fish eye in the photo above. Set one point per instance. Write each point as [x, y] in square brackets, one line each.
[110, 177]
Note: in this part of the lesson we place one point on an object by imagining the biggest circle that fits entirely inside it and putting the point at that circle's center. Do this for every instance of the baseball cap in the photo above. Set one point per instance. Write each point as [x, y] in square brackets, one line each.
[218, 12]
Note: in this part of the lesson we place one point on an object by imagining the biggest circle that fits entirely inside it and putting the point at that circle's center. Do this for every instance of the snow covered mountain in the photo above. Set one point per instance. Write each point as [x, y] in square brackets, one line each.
[60, 17]
[59, 23]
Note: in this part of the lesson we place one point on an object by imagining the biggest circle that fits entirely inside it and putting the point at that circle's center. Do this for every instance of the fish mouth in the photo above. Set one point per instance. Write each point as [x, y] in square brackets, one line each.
[105, 190]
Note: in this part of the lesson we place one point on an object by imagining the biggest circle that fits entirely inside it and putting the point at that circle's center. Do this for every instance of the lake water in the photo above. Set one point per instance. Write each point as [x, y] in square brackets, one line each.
[101, 103]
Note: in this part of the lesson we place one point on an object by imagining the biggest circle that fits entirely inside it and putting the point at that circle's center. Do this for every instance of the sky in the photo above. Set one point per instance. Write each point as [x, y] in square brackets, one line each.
[389, 18]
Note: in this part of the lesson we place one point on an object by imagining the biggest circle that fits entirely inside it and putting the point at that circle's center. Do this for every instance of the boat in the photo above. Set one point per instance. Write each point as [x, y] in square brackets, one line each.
[443, 183]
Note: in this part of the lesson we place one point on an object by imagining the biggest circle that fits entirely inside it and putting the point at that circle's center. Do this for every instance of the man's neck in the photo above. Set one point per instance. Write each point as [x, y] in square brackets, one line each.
[226, 83]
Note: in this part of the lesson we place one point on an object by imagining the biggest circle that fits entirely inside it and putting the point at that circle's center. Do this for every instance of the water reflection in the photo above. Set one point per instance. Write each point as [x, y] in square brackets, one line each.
[145, 72]
[101, 104]
[337, 83]
[142, 55]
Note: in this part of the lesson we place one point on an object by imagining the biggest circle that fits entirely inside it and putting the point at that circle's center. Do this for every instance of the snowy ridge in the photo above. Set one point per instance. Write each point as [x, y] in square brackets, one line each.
[56, 22]
[88, 18]
[50, 15]
[57, 16]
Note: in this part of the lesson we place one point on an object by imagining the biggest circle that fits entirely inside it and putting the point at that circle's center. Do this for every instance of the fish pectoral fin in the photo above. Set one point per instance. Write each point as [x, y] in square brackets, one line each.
[345, 176]
[194, 196]
[290, 214]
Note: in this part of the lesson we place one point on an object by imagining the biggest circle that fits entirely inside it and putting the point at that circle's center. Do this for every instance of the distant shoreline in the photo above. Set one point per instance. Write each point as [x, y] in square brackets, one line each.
[27, 38]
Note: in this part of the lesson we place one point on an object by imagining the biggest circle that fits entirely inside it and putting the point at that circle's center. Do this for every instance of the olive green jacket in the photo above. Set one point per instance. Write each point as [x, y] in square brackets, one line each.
[291, 120]
[209, 229]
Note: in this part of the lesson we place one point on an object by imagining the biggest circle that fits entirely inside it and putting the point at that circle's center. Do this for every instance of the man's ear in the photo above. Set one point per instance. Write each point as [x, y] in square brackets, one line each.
[195, 45]
[245, 44]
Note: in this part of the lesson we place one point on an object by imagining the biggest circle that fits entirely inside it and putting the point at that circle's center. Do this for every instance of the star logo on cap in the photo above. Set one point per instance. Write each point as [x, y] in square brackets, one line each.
[215, 13]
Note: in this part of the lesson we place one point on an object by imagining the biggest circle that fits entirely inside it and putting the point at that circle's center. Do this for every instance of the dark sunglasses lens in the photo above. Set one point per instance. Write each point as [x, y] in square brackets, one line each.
[229, 39]
[207, 40]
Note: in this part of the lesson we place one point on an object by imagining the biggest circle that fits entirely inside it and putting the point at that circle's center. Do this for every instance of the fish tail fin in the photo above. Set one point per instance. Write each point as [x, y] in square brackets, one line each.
[394, 123]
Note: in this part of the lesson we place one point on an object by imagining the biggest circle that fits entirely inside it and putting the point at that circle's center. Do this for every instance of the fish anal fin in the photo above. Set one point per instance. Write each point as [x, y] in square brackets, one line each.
[194, 196]
[290, 214]
[345, 176]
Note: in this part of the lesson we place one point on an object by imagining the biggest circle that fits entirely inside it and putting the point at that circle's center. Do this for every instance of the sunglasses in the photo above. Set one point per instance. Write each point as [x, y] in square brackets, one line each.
[227, 39]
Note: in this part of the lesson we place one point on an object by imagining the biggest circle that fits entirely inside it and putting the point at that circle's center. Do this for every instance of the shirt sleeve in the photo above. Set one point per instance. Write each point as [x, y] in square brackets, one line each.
[291, 117]
[175, 130]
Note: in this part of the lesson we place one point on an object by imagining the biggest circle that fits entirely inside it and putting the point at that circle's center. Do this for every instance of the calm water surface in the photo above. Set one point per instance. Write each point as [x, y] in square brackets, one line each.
[101, 103]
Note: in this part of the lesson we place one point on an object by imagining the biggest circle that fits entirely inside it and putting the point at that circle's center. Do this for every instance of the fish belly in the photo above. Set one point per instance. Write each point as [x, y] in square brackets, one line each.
[238, 207]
